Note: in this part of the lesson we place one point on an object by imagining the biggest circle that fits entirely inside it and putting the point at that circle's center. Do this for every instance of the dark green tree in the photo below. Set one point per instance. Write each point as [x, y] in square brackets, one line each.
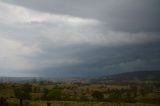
[23, 91]
[54, 94]
[98, 95]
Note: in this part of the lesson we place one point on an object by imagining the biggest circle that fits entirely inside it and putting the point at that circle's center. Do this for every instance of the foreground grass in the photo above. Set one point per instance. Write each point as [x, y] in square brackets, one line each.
[14, 102]
[74, 103]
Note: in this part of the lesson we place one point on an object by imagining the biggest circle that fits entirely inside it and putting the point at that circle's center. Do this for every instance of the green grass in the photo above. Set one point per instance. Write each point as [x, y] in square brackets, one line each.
[76, 103]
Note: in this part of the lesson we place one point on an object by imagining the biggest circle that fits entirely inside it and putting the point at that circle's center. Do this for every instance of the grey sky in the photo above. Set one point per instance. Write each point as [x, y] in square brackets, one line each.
[78, 37]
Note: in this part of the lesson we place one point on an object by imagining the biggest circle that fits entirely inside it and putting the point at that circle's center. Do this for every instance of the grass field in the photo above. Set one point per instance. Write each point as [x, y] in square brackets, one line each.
[80, 94]
[76, 103]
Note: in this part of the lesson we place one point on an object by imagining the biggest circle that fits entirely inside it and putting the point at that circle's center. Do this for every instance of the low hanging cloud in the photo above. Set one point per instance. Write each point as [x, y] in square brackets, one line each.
[12, 53]
[20, 15]
[68, 29]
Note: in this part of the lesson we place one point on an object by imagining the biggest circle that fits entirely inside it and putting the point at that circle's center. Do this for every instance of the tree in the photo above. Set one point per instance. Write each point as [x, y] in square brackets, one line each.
[54, 94]
[98, 95]
[23, 92]
[115, 96]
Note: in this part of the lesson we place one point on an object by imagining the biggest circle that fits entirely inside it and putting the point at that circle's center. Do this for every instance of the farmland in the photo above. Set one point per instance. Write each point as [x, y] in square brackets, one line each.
[119, 90]
[81, 94]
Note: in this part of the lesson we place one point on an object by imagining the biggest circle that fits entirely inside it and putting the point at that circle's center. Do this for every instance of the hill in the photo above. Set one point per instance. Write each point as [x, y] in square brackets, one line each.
[132, 76]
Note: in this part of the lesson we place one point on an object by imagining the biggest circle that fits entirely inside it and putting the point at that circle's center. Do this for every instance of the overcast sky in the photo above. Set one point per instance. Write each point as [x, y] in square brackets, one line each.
[61, 38]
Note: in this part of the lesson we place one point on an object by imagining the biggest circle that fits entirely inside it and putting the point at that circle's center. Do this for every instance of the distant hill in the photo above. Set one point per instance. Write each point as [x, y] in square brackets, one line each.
[122, 77]
[132, 76]
[19, 79]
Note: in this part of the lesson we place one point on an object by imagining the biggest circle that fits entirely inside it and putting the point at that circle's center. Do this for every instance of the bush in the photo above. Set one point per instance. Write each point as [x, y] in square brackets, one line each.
[23, 92]
[98, 95]
[54, 94]
[114, 96]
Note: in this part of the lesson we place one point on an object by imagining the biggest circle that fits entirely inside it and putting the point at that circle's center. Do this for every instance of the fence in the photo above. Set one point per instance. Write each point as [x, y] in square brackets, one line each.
[3, 102]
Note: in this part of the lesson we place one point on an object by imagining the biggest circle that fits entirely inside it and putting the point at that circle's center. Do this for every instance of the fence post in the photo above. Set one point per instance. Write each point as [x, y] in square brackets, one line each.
[1, 101]
[21, 102]
[48, 104]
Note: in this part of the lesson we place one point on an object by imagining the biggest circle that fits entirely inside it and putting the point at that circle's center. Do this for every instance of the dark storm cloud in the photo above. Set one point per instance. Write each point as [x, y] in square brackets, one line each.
[124, 15]
[79, 37]
[104, 60]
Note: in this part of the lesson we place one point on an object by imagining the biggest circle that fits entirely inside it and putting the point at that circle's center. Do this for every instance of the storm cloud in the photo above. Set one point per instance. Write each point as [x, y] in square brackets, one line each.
[78, 38]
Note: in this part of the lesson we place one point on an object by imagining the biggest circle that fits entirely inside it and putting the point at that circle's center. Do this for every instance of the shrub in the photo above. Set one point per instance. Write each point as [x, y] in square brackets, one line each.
[98, 95]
